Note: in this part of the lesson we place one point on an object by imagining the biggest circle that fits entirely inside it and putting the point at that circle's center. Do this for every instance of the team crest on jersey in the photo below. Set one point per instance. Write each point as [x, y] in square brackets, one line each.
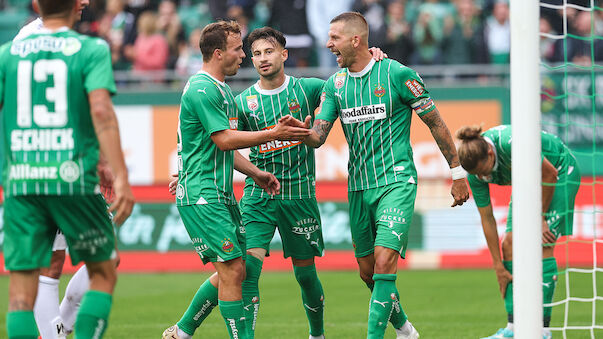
[252, 102]
[294, 107]
[227, 245]
[340, 80]
[379, 91]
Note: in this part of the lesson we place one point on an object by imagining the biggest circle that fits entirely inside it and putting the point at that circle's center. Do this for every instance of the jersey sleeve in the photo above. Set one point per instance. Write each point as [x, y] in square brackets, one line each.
[208, 103]
[328, 104]
[411, 89]
[243, 119]
[98, 71]
[480, 190]
[313, 87]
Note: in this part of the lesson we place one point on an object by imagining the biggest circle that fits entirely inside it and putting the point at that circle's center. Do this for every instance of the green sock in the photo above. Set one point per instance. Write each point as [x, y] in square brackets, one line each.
[251, 292]
[234, 317]
[200, 307]
[509, 293]
[94, 312]
[312, 296]
[21, 325]
[382, 300]
[549, 282]
[398, 317]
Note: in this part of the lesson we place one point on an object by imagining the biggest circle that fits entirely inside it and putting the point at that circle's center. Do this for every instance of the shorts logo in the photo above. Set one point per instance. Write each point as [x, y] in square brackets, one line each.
[179, 191]
[415, 87]
[393, 296]
[227, 245]
[294, 107]
[69, 171]
[379, 91]
[255, 299]
[252, 102]
[340, 80]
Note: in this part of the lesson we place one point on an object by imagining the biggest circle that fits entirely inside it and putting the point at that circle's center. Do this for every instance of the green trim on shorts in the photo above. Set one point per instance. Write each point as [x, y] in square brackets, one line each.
[216, 231]
[381, 217]
[297, 220]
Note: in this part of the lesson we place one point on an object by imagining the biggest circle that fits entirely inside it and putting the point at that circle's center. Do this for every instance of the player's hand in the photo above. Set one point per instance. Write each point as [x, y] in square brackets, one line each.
[459, 191]
[173, 184]
[291, 121]
[504, 278]
[547, 236]
[377, 53]
[288, 128]
[268, 182]
[124, 200]
[106, 177]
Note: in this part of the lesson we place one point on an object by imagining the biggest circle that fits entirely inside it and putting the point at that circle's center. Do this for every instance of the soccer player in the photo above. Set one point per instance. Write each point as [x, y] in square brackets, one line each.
[487, 158]
[56, 321]
[55, 91]
[374, 101]
[207, 136]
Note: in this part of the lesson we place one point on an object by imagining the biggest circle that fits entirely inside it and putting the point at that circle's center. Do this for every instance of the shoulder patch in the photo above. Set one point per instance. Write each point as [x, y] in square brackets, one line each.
[415, 87]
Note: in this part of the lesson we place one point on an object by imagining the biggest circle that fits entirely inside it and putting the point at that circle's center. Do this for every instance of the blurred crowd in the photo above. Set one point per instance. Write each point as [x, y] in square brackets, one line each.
[164, 34]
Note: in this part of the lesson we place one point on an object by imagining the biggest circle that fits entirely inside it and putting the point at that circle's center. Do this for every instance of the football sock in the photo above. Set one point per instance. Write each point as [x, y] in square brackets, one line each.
[78, 285]
[46, 308]
[21, 325]
[509, 293]
[234, 317]
[200, 307]
[93, 315]
[549, 282]
[251, 292]
[398, 317]
[380, 308]
[312, 297]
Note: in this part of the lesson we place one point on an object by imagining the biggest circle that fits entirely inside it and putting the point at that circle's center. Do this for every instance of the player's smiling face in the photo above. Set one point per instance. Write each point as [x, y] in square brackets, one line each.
[340, 43]
[268, 57]
[233, 56]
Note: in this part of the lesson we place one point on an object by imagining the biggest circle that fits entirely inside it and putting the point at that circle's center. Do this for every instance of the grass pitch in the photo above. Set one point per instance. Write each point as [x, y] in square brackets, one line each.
[441, 304]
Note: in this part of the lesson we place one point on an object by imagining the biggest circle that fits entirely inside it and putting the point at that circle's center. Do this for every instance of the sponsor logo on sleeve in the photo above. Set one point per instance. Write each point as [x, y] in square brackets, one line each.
[234, 123]
[252, 102]
[363, 113]
[415, 87]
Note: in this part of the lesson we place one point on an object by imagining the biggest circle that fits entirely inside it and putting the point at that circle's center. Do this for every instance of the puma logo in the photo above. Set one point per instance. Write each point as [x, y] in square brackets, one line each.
[398, 235]
[547, 285]
[254, 115]
[313, 309]
[246, 307]
[202, 90]
[313, 243]
[381, 303]
[338, 95]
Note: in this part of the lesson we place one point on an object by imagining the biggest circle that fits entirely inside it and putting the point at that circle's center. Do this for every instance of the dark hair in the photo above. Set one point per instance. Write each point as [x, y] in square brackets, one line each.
[267, 33]
[56, 8]
[473, 148]
[353, 17]
[214, 35]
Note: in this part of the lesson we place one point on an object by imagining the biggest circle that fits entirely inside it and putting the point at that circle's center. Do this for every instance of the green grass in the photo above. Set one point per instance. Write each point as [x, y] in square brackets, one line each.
[441, 304]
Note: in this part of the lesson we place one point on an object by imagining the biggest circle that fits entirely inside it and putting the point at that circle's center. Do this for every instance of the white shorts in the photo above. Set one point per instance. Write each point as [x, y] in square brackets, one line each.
[59, 242]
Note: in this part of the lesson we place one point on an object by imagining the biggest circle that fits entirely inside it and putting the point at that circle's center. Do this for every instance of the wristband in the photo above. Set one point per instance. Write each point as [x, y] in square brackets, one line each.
[458, 173]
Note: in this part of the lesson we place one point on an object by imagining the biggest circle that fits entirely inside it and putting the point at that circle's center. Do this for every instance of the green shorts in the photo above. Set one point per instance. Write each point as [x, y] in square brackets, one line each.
[31, 223]
[381, 217]
[298, 223]
[560, 215]
[216, 231]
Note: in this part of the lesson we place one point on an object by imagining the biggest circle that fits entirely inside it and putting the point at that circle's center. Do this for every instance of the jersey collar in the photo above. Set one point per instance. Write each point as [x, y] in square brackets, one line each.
[222, 83]
[366, 69]
[272, 91]
[495, 153]
[44, 30]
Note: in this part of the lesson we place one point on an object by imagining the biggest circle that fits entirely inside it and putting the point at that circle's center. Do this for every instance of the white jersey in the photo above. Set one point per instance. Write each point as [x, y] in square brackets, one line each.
[29, 29]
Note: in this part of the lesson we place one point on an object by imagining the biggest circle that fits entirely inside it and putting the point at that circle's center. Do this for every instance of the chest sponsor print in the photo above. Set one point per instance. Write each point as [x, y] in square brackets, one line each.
[276, 145]
[363, 113]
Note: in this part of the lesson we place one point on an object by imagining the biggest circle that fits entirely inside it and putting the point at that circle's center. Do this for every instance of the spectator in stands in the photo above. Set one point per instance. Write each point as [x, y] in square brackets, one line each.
[170, 26]
[151, 50]
[289, 17]
[118, 27]
[428, 32]
[190, 59]
[464, 41]
[547, 45]
[398, 39]
[318, 15]
[374, 12]
[238, 14]
[579, 50]
[498, 33]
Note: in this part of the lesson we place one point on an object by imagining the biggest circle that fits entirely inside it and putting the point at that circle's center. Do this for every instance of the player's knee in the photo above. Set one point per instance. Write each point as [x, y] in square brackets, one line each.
[385, 265]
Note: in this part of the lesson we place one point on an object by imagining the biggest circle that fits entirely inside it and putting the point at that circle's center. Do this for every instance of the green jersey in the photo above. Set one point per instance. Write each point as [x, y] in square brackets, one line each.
[375, 107]
[204, 171]
[499, 137]
[50, 146]
[292, 162]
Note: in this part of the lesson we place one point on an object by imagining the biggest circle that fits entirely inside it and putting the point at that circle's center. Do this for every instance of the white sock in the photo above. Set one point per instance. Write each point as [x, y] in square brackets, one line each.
[322, 336]
[510, 326]
[77, 287]
[405, 329]
[183, 335]
[46, 308]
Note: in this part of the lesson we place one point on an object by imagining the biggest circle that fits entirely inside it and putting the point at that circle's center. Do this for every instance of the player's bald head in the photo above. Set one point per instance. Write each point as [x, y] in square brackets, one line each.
[353, 23]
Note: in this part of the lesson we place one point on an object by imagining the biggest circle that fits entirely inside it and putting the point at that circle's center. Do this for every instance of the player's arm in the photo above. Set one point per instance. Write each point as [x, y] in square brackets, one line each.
[318, 133]
[491, 233]
[265, 180]
[441, 134]
[549, 179]
[107, 132]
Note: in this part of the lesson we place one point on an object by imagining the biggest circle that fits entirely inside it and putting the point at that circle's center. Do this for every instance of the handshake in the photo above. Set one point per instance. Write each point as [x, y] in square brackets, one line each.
[289, 128]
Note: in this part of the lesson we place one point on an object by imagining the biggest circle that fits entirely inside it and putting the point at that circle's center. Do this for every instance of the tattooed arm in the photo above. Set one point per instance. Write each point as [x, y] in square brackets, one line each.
[318, 133]
[442, 136]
